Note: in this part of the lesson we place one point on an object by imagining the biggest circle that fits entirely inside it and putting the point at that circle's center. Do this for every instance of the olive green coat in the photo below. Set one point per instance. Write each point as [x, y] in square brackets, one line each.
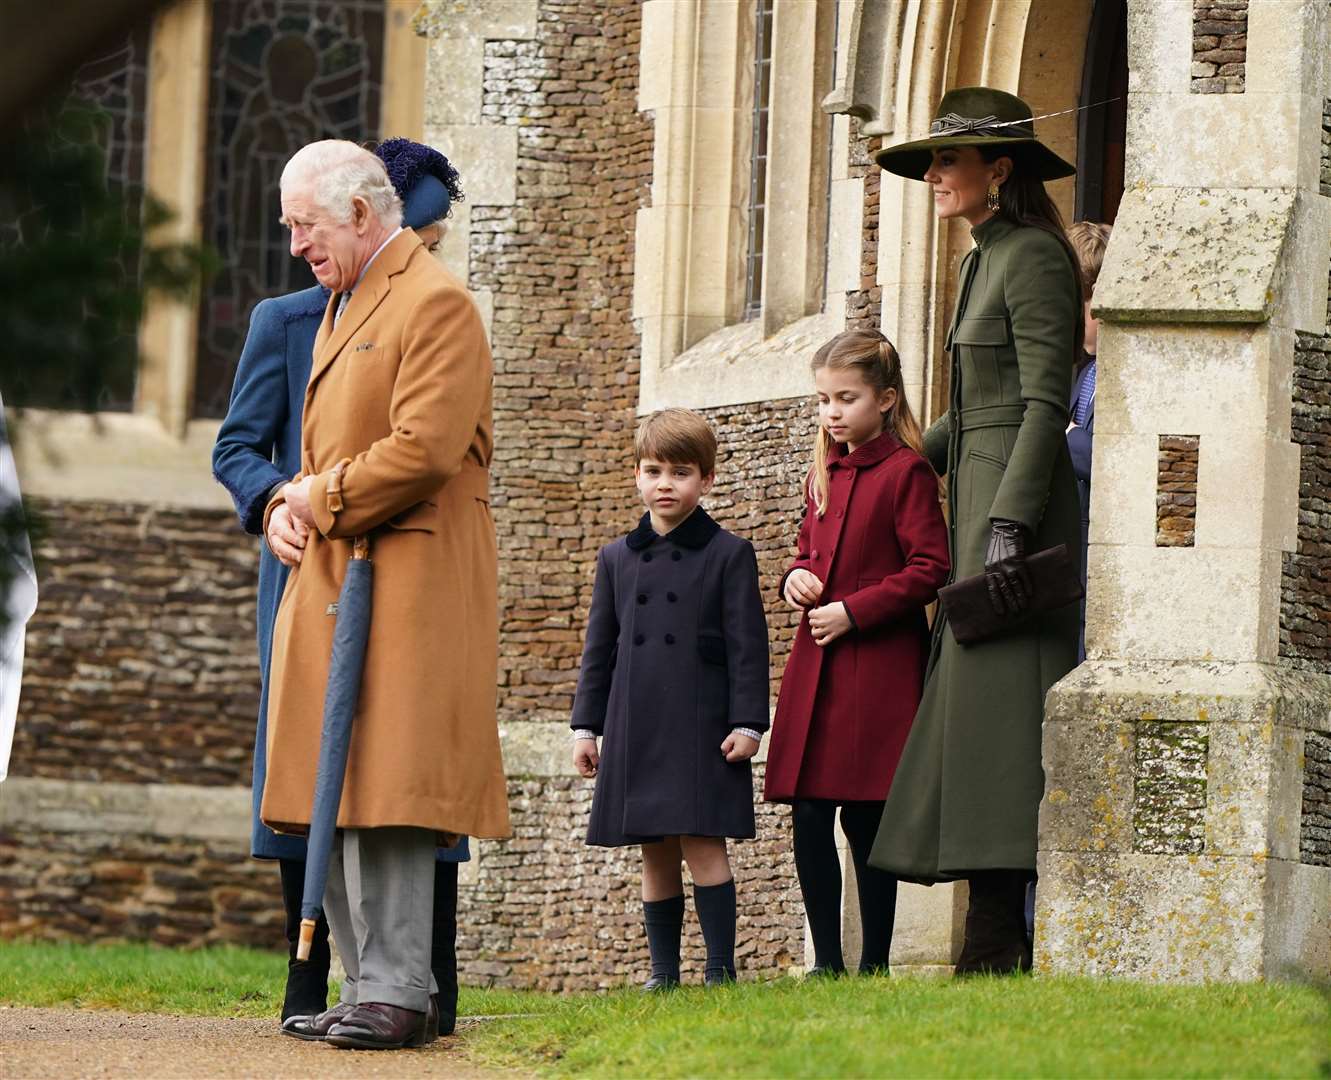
[969, 784]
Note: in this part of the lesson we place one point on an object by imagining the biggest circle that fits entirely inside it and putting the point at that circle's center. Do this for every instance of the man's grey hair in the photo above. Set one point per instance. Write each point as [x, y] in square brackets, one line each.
[335, 171]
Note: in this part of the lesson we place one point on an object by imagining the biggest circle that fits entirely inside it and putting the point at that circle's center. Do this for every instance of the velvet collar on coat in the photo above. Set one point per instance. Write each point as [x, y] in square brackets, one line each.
[871, 453]
[693, 532]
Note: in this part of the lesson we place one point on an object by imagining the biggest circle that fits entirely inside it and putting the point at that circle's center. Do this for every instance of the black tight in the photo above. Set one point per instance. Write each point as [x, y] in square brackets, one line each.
[819, 874]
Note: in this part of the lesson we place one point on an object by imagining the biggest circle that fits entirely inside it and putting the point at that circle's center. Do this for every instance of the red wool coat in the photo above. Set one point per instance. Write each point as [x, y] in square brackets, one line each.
[881, 548]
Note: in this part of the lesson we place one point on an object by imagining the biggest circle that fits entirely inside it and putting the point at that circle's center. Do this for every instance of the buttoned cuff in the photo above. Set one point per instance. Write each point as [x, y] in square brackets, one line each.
[756, 736]
[584, 733]
[326, 497]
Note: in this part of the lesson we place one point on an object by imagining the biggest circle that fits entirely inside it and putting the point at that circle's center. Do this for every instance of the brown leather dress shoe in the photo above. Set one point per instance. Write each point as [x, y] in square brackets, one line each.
[378, 1026]
[315, 1028]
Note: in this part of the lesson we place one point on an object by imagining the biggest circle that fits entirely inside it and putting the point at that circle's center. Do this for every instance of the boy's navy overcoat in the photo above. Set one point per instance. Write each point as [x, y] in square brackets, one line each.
[675, 658]
[881, 549]
[258, 446]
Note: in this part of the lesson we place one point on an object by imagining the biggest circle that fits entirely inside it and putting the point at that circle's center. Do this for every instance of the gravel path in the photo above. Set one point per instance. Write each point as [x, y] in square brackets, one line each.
[37, 1044]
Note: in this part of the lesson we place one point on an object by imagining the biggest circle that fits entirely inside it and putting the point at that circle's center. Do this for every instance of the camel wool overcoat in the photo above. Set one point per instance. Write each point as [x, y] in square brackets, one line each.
[397, 435]
[967, 789]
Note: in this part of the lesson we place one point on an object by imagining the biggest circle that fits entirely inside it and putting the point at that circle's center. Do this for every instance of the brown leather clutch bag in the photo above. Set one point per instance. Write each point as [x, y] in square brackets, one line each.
[1054, 583]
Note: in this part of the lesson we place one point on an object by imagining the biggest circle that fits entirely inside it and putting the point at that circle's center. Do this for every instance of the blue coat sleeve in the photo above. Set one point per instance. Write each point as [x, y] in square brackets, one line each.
[598, 654]
[243, 454]
[744, 623]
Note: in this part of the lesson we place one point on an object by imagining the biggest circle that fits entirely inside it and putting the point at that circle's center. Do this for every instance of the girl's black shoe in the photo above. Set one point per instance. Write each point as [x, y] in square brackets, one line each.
[717, 977]
[659, 984]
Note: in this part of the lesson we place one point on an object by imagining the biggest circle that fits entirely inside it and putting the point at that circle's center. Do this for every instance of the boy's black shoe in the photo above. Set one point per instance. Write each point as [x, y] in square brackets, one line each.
[717, 977]
[825, 971]
[658, 984]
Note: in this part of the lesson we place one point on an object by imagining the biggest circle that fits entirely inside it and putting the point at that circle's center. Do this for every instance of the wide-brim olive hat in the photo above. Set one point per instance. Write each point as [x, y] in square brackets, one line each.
[977, 116]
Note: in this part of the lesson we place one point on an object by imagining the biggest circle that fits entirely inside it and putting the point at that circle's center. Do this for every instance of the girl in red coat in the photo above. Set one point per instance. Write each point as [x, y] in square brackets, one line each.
[872, 553]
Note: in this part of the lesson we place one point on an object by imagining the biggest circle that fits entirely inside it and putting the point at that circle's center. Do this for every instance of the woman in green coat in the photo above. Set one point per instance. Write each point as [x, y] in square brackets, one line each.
[966, 794]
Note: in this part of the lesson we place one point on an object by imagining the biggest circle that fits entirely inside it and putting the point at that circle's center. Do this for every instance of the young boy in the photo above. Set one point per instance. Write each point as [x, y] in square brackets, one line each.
[674, 681]
[1089, 239]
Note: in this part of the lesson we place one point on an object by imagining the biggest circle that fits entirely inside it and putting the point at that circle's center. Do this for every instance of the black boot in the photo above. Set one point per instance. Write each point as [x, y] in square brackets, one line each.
[996, 941]
[715, 905]
[664, 921]
[443, 947]
[307, 980]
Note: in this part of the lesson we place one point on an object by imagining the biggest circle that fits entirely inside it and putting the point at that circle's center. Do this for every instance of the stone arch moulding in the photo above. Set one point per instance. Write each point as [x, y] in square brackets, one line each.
[697, 84]
[900, 60]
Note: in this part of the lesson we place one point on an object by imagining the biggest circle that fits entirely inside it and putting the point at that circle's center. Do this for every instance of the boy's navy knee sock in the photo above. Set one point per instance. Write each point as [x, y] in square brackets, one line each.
[664, 920]
[716, 914]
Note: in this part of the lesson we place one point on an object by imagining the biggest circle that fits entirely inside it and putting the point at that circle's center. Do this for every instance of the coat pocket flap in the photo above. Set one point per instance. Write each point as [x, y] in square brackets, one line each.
[712, 648]
[416, 518]
[989, 330]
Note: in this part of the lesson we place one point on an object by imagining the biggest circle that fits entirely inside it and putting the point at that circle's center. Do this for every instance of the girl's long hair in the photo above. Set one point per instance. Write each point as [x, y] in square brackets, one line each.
[1024, 201]
[873, 356]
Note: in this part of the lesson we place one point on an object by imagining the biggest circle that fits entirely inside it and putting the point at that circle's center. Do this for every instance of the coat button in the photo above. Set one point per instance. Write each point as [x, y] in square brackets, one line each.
[676, 555]
[671, 597]
[670, 639]
[642, 598]
[840, 512]
[813, 554]
[638, 639]
[646, 556]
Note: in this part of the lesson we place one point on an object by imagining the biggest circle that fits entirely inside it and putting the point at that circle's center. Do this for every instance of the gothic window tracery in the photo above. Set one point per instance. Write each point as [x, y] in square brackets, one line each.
[284, 73]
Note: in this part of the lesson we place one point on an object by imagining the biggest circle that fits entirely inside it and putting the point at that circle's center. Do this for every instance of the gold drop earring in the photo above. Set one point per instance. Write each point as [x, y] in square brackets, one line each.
[991, 199]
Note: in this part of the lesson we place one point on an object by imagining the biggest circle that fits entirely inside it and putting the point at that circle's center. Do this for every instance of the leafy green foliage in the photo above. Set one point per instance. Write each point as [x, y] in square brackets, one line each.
[68, 307]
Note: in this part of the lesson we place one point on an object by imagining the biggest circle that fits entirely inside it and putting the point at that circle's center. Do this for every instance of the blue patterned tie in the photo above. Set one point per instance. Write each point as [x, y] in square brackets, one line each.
[1084, 396]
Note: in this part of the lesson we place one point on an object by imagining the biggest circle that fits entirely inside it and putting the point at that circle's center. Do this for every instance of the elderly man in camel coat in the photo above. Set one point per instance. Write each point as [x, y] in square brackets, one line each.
[395, 447]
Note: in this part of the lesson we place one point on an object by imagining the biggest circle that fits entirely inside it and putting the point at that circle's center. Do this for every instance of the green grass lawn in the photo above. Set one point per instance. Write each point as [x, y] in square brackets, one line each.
[851, 1027]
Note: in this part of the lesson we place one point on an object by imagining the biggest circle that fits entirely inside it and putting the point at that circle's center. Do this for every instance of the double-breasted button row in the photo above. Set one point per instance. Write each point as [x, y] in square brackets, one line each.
[641, 639]
[676, 555]
[671, 597]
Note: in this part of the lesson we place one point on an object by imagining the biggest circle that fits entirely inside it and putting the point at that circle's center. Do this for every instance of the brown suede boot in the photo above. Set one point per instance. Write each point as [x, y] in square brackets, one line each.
[996, 941]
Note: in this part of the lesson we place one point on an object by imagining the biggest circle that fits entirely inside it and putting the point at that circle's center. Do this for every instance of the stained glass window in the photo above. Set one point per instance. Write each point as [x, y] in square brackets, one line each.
[284, 73]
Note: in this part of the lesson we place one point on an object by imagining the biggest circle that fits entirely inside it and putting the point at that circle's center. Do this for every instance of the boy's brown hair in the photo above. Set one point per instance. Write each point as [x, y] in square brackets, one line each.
[1089, 240]
[677, 437]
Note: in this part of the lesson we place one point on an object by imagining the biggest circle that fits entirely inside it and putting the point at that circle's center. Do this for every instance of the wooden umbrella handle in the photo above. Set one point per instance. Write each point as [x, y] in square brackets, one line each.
[306, 939]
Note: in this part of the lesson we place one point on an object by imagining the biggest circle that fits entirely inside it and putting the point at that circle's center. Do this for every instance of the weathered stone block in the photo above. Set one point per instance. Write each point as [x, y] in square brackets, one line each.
[1088, 799]
[1155, 917]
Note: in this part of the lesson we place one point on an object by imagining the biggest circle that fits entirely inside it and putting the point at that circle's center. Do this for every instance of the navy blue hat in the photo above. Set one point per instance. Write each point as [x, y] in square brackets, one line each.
[424, 179]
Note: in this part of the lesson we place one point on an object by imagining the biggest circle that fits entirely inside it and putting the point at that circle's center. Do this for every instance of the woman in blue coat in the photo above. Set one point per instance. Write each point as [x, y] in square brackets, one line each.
[258, 450]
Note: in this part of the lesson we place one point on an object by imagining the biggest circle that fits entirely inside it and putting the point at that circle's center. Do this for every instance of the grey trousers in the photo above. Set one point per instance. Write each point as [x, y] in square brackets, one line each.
[379, 901]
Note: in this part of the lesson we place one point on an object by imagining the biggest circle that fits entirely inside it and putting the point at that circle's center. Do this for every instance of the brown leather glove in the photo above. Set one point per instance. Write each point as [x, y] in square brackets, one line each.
[1005, 567]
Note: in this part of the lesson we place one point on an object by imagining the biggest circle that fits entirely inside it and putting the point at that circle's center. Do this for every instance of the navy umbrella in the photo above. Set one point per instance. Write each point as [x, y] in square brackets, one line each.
[350, 635]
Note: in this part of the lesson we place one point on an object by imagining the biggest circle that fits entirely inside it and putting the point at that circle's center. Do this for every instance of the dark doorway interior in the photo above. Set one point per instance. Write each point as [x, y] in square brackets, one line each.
[1102, 131]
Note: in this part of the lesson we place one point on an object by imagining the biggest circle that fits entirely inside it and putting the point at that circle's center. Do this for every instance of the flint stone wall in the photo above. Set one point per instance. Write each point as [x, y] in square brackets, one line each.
[864, 306]
[1305, 586]
[141, 664]
[1176, 491]
[1219, 46]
